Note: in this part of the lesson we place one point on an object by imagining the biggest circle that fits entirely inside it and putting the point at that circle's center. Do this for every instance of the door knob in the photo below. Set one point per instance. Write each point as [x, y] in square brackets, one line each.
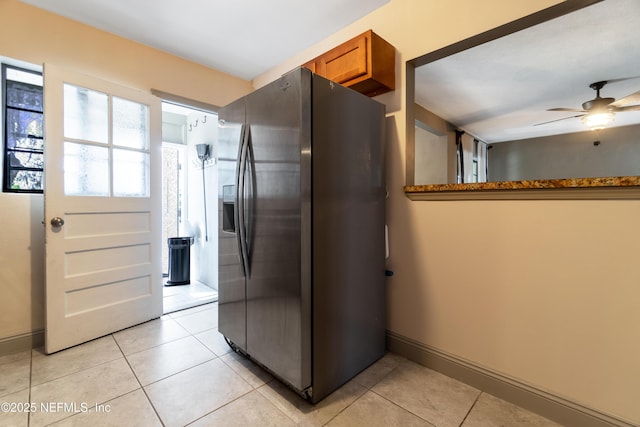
[57, 221]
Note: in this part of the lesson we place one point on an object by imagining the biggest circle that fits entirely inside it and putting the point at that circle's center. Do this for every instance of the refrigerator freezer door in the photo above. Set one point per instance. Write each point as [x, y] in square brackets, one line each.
[278, 287]
[231, 278]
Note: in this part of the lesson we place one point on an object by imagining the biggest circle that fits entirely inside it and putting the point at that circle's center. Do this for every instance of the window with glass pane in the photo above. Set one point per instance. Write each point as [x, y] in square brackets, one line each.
[86, 114]
[130, 124]
[131, 162]
[130, 173]
[23, 135]
[86, 170]
[106, 149]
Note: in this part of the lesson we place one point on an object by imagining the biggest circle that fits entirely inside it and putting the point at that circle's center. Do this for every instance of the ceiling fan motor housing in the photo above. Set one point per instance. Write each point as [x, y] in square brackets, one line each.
[598, 103]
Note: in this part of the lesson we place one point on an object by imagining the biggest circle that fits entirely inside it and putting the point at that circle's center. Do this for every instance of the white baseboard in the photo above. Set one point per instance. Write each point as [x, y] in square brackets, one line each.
[21, 342]
[553, 407]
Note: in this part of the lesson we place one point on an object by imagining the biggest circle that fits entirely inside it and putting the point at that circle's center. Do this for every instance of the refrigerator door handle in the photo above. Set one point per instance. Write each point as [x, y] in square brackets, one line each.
[246, 204]
[249, 191]
[239, 212]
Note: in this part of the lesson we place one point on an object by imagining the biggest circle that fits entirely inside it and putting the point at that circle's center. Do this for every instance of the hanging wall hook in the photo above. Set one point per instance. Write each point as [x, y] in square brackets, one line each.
[204, 119]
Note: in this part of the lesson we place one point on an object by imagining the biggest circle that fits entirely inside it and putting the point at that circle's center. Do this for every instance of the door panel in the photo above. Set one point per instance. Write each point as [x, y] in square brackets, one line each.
[103, 270]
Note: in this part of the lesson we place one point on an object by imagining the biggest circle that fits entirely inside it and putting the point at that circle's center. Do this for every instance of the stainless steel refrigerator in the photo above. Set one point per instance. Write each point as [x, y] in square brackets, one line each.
[301, 238]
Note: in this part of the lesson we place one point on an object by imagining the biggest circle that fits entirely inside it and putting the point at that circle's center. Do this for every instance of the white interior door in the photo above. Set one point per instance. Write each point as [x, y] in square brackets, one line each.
[102, 207]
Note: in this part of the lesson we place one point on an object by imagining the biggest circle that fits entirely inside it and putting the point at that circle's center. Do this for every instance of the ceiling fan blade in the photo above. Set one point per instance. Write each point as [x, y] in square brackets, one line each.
[622, 79]
[557, 120]
[566, 109]
[627, 108]
[632, 99]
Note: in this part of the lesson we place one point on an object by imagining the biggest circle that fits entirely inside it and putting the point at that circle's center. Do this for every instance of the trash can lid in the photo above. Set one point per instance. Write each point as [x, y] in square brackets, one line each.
[180, 240]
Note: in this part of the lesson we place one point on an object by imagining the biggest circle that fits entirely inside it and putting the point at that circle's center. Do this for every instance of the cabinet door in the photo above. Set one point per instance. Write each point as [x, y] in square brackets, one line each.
[346, 62]
[365, 64]
[311, 66]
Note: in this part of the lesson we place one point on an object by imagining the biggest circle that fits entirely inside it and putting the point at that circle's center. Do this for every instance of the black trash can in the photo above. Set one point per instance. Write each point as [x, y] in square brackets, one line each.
[179, 261]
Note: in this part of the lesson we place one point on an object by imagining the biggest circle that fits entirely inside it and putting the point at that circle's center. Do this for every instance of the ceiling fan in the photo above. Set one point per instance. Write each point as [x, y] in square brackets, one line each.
[598, 112]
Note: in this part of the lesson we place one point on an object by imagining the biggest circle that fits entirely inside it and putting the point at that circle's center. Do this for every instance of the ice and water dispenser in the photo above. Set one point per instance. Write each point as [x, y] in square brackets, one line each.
[228, 208]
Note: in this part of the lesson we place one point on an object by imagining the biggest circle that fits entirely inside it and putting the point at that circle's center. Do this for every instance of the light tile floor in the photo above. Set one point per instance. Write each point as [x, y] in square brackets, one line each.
[180, 297]
[178, 370]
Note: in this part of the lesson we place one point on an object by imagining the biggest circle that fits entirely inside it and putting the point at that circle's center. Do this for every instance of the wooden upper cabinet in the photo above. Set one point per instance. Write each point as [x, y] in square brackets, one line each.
[365, 63]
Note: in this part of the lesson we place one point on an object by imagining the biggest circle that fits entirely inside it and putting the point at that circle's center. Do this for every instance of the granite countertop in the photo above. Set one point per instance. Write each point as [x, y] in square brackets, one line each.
[526, 187]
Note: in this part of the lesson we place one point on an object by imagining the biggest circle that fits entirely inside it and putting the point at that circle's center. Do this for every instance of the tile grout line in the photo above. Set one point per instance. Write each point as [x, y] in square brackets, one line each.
[471, 409]
[394, 403]
[156, 345]
[273, 404]
[216, 357]
[73, 373]
[348, 406]
[401, 407]
[370, 389]
[178, 372]
[204, 344]
[197, 304]
[68, 374]
[190, 334]
[138, 380]
[220, 407]
[200, 303]
[112, 335]
[253, 389]
[141, 387]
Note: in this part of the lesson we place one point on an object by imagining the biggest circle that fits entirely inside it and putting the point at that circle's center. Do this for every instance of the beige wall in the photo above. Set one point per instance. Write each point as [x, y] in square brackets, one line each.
[35, 36]
[544, 292]
[21, 264]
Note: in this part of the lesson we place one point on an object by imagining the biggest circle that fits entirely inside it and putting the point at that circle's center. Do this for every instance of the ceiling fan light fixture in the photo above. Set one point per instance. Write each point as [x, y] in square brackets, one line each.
[597, 121]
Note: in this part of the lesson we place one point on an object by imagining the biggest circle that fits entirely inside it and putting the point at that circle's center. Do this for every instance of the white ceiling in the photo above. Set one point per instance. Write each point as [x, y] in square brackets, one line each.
[241, 37]
[498, 91]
